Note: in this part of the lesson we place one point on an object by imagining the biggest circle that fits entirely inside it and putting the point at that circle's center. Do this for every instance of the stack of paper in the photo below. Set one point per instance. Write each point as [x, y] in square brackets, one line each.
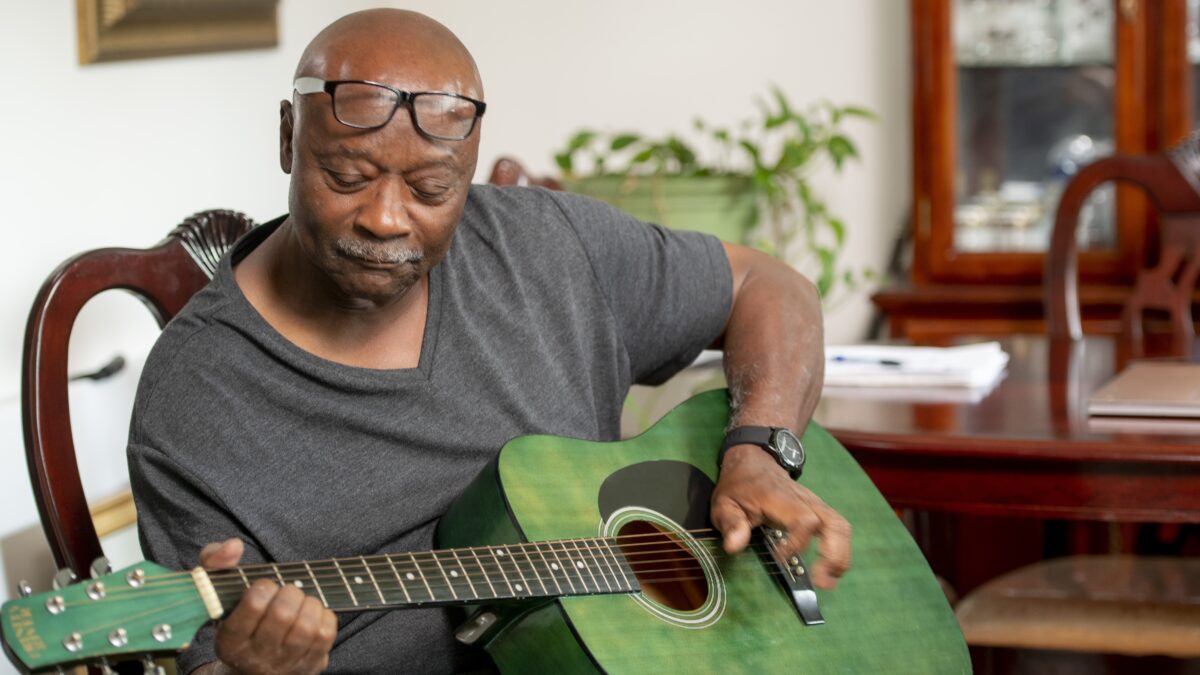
[969, 366]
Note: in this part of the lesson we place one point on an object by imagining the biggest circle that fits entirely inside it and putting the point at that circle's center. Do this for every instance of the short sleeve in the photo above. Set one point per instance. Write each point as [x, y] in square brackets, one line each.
[176, 518]
[669, 291]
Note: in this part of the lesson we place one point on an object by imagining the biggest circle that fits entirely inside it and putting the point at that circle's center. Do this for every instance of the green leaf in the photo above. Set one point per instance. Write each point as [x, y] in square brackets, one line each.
[563, 160]
[828, 274]
[580, 139]
[623, 141]
[781, 99]
[794, 156]
[752, 150]
[839, 230]
[681, 152]
[840, 148]
[855, 111]
[643, 156]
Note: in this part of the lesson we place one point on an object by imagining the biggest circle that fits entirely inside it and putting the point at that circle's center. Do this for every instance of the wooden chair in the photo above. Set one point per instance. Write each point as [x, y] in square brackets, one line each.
[1117, 604]
[1172, 182]
[508, 171]
[164, 278]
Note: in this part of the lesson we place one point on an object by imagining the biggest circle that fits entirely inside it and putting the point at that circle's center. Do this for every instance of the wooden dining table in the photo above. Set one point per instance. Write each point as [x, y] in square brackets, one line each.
[1025, 448]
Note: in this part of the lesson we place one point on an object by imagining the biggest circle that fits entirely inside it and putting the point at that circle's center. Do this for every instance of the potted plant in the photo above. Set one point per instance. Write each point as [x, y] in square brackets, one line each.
[751, 185]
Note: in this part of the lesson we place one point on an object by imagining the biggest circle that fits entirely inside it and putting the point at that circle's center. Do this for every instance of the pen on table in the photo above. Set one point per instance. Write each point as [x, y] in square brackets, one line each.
[876, 362]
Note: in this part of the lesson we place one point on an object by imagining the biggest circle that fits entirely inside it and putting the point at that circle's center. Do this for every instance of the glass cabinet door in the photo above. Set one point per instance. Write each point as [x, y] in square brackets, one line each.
[1035, 101]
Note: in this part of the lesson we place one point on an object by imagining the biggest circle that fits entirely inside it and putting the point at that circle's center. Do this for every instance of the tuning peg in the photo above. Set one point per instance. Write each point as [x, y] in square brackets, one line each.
[24, 589]
[152, 668]
[65, 577]
[100, 567]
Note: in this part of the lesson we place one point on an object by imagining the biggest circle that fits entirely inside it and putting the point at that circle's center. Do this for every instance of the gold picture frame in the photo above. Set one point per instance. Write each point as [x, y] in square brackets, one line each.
[111, 30]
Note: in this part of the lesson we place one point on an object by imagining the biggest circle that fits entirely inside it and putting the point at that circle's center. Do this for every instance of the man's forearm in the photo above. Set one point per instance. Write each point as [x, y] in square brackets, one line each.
[774, 345]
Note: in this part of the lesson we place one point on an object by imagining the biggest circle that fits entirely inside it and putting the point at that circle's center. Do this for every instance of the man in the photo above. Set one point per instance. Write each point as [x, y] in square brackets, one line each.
[354, 364]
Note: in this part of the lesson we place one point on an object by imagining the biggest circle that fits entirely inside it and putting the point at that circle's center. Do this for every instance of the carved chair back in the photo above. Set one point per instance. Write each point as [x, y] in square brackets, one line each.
[1172, 182]
[164, 278]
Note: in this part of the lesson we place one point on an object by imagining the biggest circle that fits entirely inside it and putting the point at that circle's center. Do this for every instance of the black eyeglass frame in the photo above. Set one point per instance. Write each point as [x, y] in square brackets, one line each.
[313, 85]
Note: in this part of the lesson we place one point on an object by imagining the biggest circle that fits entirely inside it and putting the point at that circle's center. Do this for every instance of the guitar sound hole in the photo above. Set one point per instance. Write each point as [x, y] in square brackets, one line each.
[667, 571]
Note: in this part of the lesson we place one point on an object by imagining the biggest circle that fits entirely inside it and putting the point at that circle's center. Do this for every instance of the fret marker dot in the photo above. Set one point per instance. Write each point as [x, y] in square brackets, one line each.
[500, 552]
[298, 584]
[409, 576]
[454, 573]
[518, 587]
[358, 580]
[554, 566]
[579, 564]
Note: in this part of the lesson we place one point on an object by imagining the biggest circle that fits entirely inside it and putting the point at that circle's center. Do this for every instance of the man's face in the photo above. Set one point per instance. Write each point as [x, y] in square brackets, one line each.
[374, 210]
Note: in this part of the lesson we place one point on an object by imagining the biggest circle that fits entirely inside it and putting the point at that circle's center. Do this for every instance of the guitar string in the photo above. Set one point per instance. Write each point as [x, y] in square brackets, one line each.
[485, 548]
[431, 556]
[396, 604]
[675, 573]
[423, 566]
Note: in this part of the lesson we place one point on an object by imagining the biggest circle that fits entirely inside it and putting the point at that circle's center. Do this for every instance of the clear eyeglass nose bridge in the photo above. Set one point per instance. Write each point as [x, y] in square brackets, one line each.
[363, 104]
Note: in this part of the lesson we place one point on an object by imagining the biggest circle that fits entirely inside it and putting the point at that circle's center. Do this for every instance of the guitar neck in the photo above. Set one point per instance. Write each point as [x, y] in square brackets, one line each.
[460, 576]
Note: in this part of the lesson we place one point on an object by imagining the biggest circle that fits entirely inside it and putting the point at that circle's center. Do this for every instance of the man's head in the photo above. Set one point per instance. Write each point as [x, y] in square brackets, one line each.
[375, 209]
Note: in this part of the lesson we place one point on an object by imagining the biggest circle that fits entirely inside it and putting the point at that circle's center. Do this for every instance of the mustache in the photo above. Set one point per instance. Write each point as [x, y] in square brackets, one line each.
[377, 252]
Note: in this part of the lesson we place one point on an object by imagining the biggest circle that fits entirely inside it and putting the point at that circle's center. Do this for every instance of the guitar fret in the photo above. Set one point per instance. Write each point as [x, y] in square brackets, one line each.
[421, 573]
[453, 592]
[465, 573]
[346, 582]
[277, 574]
[582, 564]
[533, 569]
[597, 544]
[400, 581]
[549, 569]
[522, 587]
[374, 583]
[486, 577]
[245, 579]
[316, 585]
[590, 547]
[617, 557]
[564, 568]
[503, 575]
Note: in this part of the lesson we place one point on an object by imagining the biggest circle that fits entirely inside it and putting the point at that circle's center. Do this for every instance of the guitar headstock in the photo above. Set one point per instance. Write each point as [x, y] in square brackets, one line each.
[142, 609]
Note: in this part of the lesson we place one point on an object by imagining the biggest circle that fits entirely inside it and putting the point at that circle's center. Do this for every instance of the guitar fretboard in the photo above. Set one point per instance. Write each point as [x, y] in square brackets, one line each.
[450, 576]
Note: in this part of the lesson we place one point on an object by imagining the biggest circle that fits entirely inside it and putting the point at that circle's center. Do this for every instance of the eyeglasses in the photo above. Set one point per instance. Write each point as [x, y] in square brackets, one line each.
[370, 105]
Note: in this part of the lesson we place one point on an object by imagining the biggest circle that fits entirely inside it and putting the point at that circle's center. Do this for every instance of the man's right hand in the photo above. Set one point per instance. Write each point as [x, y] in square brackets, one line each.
[272, 629]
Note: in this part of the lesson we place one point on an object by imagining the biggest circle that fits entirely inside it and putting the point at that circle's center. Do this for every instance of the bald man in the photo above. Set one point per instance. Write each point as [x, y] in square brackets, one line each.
[354, 364]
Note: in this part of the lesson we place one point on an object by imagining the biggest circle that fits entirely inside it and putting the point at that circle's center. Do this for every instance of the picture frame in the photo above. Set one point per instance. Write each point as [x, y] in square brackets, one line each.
[111, 30]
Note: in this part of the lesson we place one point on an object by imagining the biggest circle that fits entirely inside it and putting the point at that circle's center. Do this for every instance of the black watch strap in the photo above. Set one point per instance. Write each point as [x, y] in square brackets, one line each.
[760, 436]
[779, 442]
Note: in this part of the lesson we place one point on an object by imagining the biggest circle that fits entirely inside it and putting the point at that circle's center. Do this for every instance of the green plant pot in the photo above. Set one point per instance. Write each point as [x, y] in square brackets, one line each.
[724, 206]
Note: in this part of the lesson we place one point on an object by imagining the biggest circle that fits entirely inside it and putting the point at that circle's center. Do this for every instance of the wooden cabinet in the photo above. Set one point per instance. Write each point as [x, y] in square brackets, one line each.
[1010, 98]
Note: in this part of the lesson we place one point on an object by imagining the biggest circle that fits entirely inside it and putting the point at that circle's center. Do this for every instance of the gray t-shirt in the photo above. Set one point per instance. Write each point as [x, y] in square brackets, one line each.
[546, 308]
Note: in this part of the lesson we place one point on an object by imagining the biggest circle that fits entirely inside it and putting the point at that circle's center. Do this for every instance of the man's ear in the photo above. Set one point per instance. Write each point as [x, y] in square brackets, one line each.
[287, 125]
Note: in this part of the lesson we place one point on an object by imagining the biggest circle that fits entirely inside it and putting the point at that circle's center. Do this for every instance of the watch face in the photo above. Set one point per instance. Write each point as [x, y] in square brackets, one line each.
[791, 453]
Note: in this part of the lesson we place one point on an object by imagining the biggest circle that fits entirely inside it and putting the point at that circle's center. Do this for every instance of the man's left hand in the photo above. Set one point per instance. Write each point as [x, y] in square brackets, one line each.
[754, 490]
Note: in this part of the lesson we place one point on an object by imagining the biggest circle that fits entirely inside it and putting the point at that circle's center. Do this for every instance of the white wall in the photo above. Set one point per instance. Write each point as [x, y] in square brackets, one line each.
[115, 154]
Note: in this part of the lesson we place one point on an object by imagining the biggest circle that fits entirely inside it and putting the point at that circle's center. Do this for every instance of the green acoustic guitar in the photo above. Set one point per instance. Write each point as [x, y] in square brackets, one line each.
[574, 556]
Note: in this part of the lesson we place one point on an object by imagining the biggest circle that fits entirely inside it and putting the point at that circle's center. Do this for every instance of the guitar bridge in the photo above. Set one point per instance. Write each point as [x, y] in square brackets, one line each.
[794, 576]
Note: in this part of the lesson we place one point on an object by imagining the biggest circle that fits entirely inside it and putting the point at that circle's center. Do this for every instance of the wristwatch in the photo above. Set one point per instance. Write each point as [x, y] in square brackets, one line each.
[781, 443]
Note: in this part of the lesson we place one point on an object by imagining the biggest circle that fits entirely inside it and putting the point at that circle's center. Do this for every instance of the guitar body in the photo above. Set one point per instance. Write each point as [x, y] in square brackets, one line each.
[887, 615]
[622, 574]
